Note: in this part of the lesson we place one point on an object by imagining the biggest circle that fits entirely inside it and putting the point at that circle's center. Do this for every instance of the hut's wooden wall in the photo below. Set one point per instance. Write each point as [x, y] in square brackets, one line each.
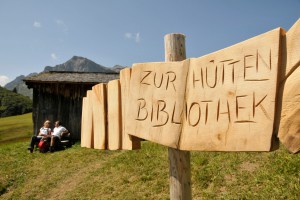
[58, 101]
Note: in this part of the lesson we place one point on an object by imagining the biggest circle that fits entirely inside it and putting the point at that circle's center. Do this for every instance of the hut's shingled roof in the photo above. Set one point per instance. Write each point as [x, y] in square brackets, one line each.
[71, 77]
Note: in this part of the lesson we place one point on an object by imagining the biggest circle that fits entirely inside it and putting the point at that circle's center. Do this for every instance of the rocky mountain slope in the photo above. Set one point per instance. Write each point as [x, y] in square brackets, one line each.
[76, 63]
[20, 86]
[80, 64]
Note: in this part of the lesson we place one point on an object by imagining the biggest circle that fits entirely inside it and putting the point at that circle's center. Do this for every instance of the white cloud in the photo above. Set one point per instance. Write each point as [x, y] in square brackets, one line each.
[137, 37]
[54, 56]
[37, 24]
[134, 36]
[128, 35]
[62, 24]
[3, 80]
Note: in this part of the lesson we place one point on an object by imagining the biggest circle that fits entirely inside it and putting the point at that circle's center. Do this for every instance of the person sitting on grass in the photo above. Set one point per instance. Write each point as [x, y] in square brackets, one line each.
[45, 132]
[58, 132]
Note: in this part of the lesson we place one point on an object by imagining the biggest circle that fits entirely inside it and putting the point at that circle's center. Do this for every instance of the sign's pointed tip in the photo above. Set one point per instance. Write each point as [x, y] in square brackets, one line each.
[296, 25]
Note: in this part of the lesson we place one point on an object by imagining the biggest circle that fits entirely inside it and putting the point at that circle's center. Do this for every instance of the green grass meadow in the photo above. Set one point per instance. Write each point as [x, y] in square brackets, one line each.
[15, 128]
[81, 173]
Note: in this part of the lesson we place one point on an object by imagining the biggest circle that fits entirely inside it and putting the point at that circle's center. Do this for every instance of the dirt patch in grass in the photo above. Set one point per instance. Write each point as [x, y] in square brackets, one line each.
[229, 178]
[72, 181]
[248, 166]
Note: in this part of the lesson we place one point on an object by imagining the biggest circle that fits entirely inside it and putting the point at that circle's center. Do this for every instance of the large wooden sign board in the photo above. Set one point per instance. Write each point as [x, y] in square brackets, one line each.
[236, 99]
[224, 101]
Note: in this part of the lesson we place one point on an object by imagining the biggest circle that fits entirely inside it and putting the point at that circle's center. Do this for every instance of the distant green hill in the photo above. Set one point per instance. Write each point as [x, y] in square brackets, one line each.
[12, 103]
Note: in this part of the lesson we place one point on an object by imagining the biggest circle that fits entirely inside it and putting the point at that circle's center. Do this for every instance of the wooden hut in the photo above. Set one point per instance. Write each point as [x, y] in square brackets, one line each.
[58, 96]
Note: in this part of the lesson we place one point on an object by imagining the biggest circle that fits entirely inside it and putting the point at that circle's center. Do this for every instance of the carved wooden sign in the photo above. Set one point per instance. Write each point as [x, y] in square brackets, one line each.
[236, 99]
[224, 101]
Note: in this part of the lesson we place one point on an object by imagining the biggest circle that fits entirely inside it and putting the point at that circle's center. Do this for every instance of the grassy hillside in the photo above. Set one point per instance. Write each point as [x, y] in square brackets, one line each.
[15, 128]
[80, 173]
[13, 104]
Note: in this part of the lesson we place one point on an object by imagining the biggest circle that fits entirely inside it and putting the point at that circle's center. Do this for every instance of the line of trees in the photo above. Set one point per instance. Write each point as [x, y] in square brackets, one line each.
[12, 103]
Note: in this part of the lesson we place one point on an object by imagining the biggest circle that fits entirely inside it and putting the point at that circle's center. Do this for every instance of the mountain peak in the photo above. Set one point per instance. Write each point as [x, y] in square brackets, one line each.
[118, 68]
[77, 57]
[80, 64]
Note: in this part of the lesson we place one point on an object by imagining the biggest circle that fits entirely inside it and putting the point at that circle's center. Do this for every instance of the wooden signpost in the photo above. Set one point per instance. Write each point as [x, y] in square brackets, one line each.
[218, 102]
[240, 98]
[179, 161]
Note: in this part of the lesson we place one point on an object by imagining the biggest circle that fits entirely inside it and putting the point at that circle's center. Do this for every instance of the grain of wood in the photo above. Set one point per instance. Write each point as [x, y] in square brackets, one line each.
[179, 161]
[89, 139]
[289, 130]
[86, 122]
[128, 142]
[114, 115]
[99, 116]
[156, 98]
[83, 119]
[230, 97]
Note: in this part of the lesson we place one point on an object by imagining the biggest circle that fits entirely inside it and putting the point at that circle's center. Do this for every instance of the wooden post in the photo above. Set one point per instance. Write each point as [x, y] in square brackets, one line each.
[179, 161]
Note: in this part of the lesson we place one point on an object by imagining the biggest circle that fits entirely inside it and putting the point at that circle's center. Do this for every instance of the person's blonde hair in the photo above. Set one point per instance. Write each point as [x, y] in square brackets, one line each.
[47, 122]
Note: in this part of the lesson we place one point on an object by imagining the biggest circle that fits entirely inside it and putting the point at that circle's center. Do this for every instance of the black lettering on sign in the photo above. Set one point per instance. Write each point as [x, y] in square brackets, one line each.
[142, 109]
[196, 80]
[219, 112]
[161, 106]
[215, 77]
[143, 81]
[244, 121]
[232, 74]
[196, 112]
[256, 61]
[161, 80]
[158, 79]
[267, 64]
[237, 107]
[173, 116]
[171, 80]
[206, 110]
[223, 68]
[202, 81]
[246, 65]
[255, 105]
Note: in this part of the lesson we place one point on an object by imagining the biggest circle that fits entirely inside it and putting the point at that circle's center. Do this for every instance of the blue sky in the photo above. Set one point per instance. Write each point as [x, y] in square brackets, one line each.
[35, 33]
